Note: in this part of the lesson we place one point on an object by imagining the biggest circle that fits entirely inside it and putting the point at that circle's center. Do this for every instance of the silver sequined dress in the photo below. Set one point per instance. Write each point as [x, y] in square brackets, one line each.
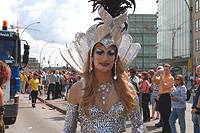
[100, 122]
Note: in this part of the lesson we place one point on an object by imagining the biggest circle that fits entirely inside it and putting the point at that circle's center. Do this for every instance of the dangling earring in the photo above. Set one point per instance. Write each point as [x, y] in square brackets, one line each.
[115, 76]
[91, 68]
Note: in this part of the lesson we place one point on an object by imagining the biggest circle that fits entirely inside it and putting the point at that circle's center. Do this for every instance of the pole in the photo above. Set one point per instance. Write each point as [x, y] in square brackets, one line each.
[27, 27]
[41, 51]
[50, 56]
[191, 38]
[56, 58]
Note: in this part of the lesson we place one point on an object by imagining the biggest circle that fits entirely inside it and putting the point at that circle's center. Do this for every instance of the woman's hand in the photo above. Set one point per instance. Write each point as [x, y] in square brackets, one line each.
[174, 98]
[193, 111]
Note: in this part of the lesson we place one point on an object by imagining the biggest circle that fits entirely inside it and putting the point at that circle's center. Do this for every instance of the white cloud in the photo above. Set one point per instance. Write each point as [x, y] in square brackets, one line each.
[59, 21]
[146, 7]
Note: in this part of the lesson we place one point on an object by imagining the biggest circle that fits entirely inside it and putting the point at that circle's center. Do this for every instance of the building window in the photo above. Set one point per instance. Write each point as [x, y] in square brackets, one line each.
[197, 25]
[197, 45]
[197, 5]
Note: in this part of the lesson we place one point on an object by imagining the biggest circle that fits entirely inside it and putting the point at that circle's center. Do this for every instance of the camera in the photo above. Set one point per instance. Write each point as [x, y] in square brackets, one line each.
[161, 70]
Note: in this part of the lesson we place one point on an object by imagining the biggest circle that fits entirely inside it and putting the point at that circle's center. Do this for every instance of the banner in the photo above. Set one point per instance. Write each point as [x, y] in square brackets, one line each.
[189, 64]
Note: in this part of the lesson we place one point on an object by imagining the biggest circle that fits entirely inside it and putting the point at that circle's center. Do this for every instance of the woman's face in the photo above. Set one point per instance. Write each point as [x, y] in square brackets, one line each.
[178, 80]
[142, 76]
[104, 58]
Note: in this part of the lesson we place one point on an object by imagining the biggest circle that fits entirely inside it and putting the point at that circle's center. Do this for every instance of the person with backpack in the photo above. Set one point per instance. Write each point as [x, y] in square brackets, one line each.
[178, 97]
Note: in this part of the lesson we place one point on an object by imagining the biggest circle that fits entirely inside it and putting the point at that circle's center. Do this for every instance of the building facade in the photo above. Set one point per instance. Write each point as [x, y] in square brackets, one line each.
[32, 65]
[196, 29]
[142, 28]
[174, 27]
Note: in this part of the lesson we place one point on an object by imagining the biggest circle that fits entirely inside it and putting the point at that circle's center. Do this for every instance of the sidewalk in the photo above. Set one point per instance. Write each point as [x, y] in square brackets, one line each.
[59, 104]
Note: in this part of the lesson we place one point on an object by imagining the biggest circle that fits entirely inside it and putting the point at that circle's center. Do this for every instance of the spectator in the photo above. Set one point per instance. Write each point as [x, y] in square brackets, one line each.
[64, 83]
[178, 98]
[23, 78]
[155, 95]
[191, 79]
[73, 78]
[145, 96]
[60, 84]
[140, 79]
[40, 84]
[57, 84]
[196, 106]
[52, 79]
[30, 76]
[186, 78]
[152, 96]
[166, 83]
[78, 78]
[134, 80]
[34, 82]
[4, 77]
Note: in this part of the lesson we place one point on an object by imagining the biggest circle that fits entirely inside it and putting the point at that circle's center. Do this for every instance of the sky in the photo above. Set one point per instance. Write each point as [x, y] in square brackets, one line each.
[59, 21]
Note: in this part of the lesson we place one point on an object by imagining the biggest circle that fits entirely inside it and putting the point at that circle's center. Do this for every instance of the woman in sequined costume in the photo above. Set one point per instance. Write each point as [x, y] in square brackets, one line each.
[103, 99]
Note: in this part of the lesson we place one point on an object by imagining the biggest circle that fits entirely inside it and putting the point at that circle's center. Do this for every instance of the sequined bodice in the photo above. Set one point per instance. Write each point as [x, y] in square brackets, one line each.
[100, 121]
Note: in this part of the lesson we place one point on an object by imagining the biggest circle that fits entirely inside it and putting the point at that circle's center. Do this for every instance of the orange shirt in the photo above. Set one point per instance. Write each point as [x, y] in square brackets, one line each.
[169, 83]
[198, 81]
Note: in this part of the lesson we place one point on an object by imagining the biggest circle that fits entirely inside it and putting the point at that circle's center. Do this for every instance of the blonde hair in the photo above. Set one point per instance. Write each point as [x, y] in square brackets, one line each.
[122, 88]
[57, 72]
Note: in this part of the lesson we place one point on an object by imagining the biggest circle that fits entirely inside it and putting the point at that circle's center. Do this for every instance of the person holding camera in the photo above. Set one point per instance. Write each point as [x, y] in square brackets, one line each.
[166, 83]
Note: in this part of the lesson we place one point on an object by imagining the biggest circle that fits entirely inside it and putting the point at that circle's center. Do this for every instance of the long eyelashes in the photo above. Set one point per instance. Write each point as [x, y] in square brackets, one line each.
[100, 52]
[111, 52]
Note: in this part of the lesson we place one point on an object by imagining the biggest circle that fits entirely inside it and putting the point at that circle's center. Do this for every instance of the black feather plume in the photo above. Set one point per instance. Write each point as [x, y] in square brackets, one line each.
[113, 7]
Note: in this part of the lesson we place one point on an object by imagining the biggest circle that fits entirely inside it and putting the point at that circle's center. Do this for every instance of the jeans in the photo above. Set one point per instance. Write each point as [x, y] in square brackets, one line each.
[39, 89]
[177, 114]
[64, 86]
[29, 89]
[34, 97]
[196, 123]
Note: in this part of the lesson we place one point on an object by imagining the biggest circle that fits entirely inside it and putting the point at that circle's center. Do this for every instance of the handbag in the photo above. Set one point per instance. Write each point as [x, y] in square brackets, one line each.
[188, 94]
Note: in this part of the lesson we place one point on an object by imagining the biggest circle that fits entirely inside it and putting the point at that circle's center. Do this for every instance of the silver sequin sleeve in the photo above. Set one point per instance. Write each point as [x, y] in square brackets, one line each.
[71, 118]
[136, 121]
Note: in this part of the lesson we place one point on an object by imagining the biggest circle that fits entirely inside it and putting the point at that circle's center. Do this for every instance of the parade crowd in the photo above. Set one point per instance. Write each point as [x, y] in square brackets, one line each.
[166, 94]
[53, 83]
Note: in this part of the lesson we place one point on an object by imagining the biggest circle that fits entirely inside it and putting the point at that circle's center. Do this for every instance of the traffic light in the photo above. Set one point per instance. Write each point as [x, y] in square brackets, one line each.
[4, 25]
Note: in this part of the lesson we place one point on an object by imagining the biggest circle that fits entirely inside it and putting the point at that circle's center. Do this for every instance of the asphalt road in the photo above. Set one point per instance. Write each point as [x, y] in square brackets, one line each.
[36, 120]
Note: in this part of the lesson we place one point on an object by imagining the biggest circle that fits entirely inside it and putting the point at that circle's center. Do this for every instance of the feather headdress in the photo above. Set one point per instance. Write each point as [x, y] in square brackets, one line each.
[112, 31]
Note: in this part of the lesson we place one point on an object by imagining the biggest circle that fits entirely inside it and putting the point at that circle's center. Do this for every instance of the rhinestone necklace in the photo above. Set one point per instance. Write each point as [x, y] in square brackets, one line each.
[105, 88]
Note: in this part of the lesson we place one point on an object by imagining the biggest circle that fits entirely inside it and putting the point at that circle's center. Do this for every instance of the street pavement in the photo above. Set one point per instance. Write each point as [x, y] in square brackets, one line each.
[60, 105]
[41, 119]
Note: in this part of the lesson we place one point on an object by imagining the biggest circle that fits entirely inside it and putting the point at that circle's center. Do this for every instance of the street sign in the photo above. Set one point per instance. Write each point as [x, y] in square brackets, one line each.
[190, 64]
[197, 61]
